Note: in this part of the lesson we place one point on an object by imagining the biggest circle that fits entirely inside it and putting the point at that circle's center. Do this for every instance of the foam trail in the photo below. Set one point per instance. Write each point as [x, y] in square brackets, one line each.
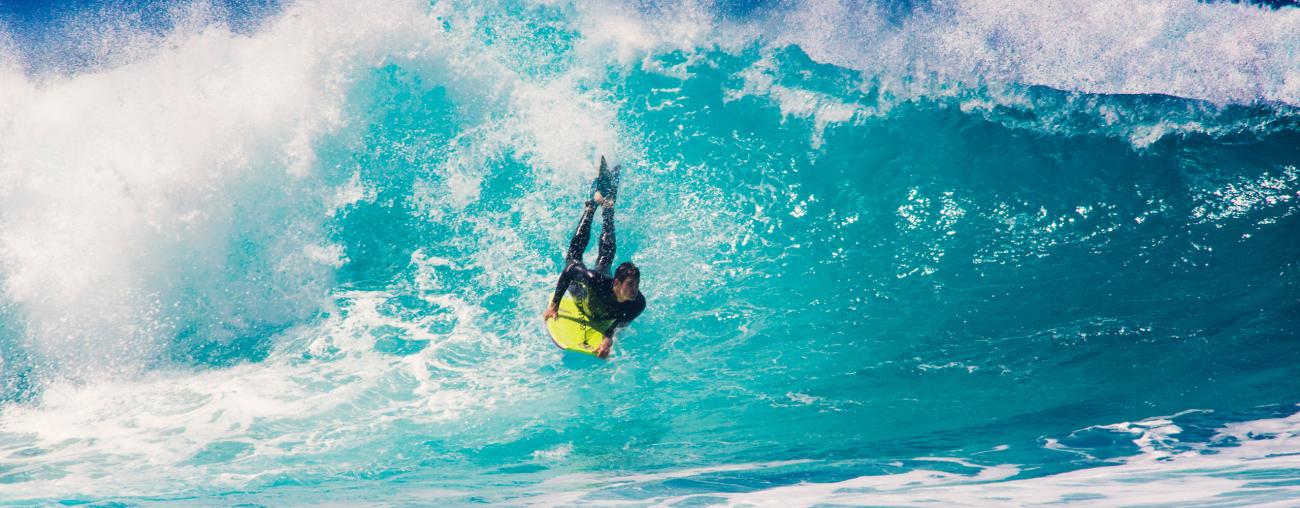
[1232, 468]
[172, 430]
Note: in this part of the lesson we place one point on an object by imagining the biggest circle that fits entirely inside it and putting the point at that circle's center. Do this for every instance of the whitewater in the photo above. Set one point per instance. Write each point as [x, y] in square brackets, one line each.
[949, 252]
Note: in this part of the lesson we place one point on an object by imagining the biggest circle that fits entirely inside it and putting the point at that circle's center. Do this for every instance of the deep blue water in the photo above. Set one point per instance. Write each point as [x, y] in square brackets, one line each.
[972, 253]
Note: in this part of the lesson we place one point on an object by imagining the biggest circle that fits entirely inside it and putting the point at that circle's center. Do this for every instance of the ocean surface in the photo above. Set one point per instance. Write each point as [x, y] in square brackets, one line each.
[939, 253]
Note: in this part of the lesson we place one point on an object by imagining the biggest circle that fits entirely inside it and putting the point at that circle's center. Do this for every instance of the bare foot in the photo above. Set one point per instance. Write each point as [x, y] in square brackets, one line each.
[607, 203]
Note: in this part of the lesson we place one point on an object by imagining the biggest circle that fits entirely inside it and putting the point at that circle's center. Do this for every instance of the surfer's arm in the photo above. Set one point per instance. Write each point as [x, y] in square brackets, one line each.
[608, 344]
[566, 277]
[559, 293]
[602, 351]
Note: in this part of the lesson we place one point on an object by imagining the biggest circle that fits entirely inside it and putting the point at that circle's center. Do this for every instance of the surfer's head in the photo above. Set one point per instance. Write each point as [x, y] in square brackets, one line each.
[627, 281]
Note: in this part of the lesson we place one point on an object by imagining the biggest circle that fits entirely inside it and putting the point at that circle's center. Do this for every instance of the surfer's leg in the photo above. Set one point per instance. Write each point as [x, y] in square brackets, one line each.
[611, 185]
[605, 188]
[582, 236]
[600, 183]
[605, 251]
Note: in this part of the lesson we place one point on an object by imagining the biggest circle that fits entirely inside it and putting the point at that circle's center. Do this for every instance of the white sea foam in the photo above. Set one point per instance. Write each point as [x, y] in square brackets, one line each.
[983, 56]
[1217, 51]
[1160, 474]
[169, 431]
[131, 194]
[1193, 474]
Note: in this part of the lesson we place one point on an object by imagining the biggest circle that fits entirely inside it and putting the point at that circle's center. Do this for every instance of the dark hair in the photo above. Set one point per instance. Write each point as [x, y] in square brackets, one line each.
[625, 270]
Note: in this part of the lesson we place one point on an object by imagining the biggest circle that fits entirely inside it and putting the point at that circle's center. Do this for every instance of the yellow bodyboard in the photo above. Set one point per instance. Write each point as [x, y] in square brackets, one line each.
[573, 331]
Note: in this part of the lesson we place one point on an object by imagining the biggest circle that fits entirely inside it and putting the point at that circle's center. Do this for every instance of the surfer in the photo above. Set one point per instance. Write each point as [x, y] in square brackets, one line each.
[599, 296]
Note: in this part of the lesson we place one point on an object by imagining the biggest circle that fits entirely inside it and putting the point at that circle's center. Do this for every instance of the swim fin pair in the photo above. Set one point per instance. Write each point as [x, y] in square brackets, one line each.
[606, 182]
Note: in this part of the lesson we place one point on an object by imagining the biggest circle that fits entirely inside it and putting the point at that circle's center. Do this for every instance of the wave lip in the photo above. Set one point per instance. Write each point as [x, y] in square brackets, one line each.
[1220, 52]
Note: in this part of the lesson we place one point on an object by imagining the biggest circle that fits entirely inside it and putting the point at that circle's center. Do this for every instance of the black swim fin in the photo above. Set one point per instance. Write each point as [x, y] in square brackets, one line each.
[606, 181]
[611, 191]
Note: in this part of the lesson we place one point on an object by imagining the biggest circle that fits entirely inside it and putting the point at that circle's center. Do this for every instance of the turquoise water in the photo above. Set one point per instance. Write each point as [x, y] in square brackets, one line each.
[959, 252]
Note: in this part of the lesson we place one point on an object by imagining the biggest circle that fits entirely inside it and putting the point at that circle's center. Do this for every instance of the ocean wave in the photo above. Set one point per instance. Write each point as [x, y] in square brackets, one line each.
[303, 260]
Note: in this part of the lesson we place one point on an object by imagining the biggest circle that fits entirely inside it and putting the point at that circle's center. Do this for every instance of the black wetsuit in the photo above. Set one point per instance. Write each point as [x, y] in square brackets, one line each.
[593, 290]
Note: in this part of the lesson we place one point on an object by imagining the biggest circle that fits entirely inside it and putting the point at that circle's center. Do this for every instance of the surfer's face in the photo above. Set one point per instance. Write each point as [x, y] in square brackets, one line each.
[627, 288]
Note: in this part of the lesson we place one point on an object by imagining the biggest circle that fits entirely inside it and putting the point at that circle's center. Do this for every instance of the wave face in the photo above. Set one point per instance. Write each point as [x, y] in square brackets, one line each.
[977, 252]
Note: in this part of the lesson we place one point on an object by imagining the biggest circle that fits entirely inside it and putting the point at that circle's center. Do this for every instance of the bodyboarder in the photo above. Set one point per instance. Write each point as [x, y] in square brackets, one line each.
[599, 295]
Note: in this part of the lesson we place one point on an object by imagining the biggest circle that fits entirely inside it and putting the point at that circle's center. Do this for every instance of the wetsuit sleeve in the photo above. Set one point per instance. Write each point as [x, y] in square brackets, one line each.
[571, 272]
[565, 278]
[626, 319]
